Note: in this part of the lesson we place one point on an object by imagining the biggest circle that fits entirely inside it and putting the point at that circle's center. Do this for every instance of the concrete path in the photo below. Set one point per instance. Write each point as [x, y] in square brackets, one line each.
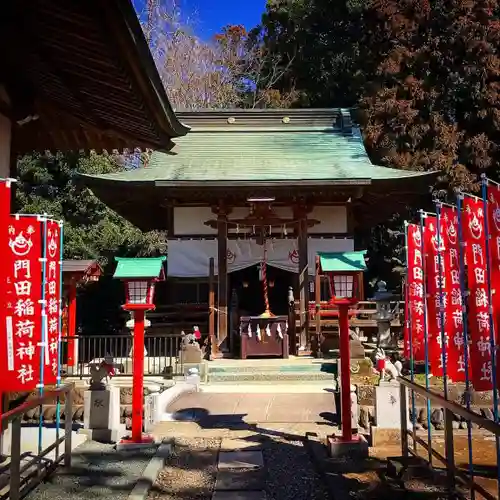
[209, 407]
[240, 474]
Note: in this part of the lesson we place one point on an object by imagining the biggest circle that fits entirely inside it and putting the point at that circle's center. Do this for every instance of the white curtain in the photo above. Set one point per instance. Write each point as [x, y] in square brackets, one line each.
[190, 258]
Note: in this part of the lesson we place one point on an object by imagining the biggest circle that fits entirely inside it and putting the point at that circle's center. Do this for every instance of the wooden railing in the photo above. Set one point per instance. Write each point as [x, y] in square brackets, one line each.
[457, 478]
[24, 471]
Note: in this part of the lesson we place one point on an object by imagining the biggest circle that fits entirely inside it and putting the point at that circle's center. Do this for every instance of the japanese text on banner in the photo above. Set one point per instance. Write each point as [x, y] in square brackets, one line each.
[436, 280]
[5, 194]
[416, 291]
[52, 299]
[454, 318]
[23, 326]
[479, 321]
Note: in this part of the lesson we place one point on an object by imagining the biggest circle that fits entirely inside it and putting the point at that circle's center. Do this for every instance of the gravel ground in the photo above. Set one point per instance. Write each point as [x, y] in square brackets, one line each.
[190, 472]
[290, 473]
[98, 471]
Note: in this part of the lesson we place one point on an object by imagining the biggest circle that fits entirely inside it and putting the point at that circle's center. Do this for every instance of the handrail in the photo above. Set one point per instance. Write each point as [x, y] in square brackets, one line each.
[487, 424]
[20, 483]
[34, 403]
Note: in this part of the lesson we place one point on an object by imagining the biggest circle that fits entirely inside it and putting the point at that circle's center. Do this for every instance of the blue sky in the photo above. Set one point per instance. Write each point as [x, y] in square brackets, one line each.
[211, 15]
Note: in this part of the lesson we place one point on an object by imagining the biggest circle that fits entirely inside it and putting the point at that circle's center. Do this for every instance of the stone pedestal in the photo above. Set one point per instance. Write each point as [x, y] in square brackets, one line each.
[357, 349]
[388, 405]
[387, 426]
[191, 354]
[102, 415]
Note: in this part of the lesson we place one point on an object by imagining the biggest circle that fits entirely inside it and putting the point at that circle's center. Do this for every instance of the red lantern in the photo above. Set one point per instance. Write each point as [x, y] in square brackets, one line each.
[344, 287]
[140, 276]
[344, 272]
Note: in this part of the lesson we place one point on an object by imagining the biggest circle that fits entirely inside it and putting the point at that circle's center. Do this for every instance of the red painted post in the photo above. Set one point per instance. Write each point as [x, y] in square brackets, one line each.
[72, 344]
[345, 373]
[138, 376]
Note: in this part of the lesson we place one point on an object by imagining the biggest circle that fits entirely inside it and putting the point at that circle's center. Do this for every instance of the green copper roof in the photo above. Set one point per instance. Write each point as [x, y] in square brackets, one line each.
[142, 267]
[258, 148]
[342, 261]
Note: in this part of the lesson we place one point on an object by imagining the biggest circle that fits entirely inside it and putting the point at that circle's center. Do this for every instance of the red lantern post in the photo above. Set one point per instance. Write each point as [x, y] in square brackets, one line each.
[344, 275]
[139, 276]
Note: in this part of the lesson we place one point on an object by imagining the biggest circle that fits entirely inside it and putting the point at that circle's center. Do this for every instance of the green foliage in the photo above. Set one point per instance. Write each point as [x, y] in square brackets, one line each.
[423, 75]
[48, 184]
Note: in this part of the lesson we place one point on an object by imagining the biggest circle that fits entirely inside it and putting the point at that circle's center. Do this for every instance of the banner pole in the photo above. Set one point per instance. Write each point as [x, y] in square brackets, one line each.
[464, 294]
[484, 192]
[426, 337]
[408, 320]
[59, 333]
[44, 346]
[444, 340]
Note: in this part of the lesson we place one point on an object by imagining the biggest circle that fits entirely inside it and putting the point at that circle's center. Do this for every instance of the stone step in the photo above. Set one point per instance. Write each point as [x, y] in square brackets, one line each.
[269, 376]
[295, 367]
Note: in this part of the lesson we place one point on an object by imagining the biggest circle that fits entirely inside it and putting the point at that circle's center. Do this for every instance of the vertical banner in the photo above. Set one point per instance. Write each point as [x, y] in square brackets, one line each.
[454, 318]
[478, 303]
[493, 194]
[23, 325]
[436, 291]
[415, 287]
[5, 196]
[407, 323]
[52, 300]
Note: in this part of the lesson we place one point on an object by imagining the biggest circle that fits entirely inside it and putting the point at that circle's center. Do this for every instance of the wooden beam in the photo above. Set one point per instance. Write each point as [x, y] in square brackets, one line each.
[317, 297]
[223, 282]
[303, 278]
[211, 308]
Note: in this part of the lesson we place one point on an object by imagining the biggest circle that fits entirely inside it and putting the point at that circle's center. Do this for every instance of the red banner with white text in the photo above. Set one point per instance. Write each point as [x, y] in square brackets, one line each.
[23, 325]
[478, 302]
[436, 281]
[5, 195]
[454, 318]
[52, 299]
[415, 286]
[494, 233]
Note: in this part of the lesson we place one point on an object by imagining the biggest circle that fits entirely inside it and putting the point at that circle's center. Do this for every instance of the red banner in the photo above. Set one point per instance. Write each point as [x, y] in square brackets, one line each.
[494, 233]
[52, 300]
[454, 318]
[416, 291]
[478, 302]
[436, 281]
[23, 328]
[5, 194]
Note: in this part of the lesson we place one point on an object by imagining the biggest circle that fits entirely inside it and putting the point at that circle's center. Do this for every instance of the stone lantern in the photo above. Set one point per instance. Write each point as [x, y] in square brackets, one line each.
[385, 315]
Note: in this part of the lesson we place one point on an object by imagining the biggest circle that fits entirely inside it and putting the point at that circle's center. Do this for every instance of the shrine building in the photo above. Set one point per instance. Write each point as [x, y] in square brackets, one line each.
[247, 186]
[78, 76]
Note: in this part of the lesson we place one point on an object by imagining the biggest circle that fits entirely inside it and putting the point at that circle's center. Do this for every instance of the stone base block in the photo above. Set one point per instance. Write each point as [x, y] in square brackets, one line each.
[381, 437]
[408, 468]
[356, 448]
[126, 444]
[104, 435]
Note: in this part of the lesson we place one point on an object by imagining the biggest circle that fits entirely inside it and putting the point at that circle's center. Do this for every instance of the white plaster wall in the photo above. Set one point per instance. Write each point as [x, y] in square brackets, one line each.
[5, 138]
[333, 219]
[190, 220]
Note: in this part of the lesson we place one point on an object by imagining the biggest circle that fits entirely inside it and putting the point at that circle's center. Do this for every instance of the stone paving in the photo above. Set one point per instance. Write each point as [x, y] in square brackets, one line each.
[255, 407]
[241, 474]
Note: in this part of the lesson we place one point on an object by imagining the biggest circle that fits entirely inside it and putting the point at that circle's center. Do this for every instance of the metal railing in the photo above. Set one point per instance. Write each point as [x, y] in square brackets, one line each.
[23, 471]
[162, 358]
[457, 479]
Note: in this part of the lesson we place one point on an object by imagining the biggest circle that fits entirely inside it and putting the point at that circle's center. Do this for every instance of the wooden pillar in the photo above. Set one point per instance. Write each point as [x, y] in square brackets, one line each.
[303, 280]
[223, 281]
[211, 308]
[316, 345]
[72, 342]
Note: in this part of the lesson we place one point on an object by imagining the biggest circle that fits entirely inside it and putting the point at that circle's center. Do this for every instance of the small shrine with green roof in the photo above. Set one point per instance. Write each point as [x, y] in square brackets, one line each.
[248, 199]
